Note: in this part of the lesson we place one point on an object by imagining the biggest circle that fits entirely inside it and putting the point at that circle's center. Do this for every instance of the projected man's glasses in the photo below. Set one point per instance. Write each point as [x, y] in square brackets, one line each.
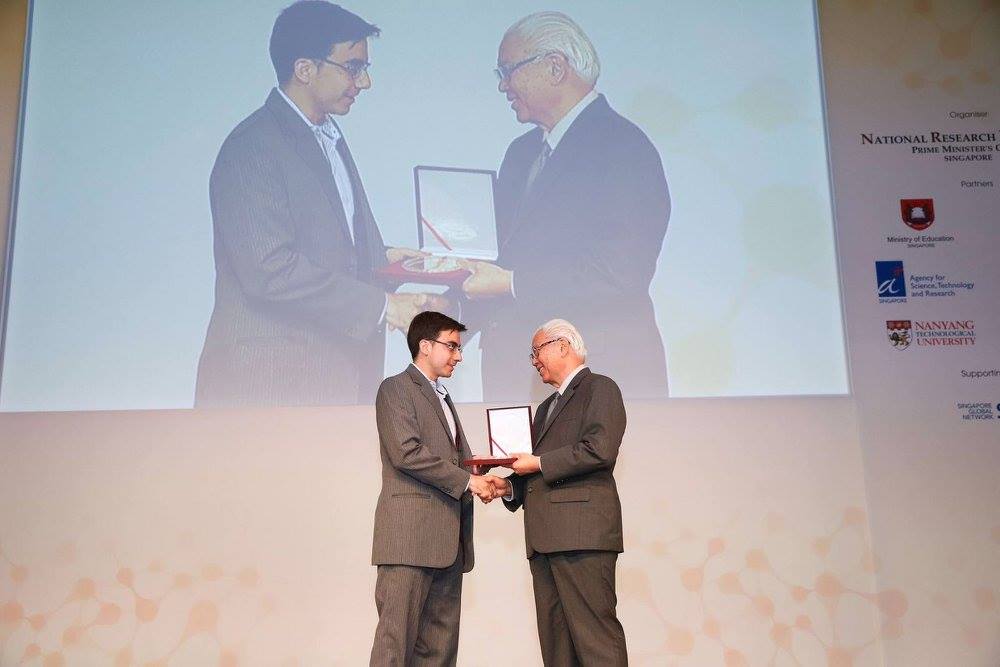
[504, 72]
[355, 68]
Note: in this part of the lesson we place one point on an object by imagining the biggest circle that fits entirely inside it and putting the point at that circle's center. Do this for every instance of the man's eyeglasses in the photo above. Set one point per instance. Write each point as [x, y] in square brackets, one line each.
[454, 347]
[536, 350]
[355, 68]
[504, 72]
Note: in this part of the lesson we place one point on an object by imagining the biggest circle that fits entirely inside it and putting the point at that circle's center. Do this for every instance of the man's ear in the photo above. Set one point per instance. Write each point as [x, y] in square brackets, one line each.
[304, 71]
[558, 67]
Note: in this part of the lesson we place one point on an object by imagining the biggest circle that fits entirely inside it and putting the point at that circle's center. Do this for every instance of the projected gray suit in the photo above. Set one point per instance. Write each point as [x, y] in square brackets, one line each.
[583, 246]
[296, 318]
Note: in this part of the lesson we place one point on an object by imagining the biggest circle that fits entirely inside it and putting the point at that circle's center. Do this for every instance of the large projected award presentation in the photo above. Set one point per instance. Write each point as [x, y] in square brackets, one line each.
[720, 331]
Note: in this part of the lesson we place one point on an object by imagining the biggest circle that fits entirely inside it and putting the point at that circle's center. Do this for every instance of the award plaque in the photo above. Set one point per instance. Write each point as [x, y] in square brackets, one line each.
[456, 219]
[509, 431]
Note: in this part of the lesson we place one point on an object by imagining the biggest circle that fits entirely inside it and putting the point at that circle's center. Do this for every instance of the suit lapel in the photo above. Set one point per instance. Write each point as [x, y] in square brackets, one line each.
[563, 401]
[466, 450]
[428, 392]
[309, 151]
[564, 156]
[538, 421]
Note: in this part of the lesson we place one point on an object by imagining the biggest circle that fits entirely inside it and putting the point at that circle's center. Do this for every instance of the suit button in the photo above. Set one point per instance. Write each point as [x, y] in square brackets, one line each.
[454, 460]
[530, 489]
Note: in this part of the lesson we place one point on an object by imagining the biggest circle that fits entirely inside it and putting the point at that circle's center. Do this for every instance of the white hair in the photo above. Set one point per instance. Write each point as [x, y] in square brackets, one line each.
[554, 32]
[557, 328]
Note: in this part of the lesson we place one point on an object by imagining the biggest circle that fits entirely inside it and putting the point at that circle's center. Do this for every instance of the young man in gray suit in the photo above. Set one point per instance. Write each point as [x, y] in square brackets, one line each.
[572, 515]
[423, 520]
[298, 317]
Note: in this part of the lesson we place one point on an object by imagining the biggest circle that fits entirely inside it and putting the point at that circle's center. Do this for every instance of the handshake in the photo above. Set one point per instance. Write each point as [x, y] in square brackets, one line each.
[489, 487]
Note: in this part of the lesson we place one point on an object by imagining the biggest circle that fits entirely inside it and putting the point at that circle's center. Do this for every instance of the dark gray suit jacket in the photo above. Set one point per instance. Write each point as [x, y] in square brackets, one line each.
[583, 246]
[423, 508]
[296, 318]
[573, 503]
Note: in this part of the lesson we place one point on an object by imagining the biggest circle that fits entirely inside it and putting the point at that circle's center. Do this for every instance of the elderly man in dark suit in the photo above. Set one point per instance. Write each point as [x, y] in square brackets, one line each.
[298, 319]
[582, 210]
[423, 521]
[572, 514]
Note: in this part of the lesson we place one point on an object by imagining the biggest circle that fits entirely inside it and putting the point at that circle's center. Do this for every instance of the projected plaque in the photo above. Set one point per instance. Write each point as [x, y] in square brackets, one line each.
[456, 219]
[509, 432]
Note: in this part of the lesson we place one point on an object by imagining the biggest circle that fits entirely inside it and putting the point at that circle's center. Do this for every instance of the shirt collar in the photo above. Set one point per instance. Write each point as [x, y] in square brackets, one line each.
[569, 378]
[329, 128]
[438, 387]
[555, 135]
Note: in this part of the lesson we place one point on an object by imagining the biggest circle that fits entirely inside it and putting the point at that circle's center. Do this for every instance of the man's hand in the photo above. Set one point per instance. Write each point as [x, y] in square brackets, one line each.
[487, 280]
[526, 464]
[402, 308]
[399, 254]
[501, 487]
[485, 486]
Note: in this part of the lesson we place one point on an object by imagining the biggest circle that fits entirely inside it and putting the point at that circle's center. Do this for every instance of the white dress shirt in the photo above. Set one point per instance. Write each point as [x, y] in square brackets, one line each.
[327, 135]
[441, 392]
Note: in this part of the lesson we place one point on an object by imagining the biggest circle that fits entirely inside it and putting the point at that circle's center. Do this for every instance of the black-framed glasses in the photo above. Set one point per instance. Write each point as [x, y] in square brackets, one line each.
[354, 68]
[504, 72]
[454, 347]
[536, 350]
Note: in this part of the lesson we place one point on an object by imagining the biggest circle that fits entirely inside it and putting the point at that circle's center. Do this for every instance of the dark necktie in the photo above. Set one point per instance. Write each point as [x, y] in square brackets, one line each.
[454, 414]
[552, 410]
[537, 166]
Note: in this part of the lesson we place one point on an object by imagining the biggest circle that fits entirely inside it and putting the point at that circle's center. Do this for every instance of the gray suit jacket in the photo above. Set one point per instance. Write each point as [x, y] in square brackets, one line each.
[573, 503]
[296, 317]
[423, 509]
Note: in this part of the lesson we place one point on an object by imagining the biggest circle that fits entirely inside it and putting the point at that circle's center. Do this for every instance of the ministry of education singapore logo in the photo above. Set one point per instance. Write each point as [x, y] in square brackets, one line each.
[918, 214]
[890, 281]
[899, 333]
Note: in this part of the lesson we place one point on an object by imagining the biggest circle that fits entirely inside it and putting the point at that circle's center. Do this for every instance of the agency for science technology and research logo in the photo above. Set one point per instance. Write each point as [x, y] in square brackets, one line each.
[890, 280]
[892, 284]
[930, 333]
[918, 214]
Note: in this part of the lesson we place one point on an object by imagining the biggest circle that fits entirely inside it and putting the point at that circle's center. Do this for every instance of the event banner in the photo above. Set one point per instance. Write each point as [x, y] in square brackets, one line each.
[914, 126]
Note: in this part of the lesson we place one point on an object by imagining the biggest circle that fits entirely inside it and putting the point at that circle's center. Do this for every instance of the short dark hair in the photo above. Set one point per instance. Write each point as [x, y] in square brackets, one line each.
[309, 29]
[428, 325]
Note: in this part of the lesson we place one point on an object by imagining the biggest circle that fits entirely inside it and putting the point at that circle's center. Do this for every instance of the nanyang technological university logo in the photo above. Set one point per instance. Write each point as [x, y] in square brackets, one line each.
[931, 333]
[899, 333]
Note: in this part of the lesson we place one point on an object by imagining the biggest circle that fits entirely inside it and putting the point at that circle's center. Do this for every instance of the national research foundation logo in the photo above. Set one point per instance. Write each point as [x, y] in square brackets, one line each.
[890, 281]
[899, 333]
[918, 214]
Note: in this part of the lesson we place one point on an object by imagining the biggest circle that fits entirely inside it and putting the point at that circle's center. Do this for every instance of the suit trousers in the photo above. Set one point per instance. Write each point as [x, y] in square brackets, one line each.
[419, 609]
[575, 607]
